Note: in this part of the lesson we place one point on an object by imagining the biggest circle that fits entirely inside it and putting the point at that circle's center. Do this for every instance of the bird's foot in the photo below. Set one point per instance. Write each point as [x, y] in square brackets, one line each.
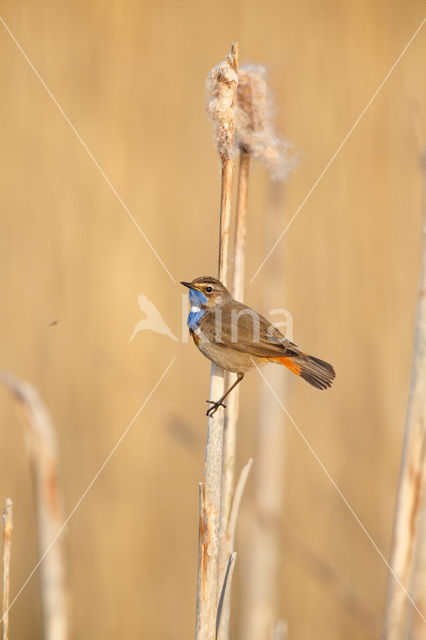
[215, 406]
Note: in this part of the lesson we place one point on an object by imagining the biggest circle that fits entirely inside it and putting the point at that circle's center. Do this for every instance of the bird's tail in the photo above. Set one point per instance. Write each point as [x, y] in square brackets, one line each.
[317, 372]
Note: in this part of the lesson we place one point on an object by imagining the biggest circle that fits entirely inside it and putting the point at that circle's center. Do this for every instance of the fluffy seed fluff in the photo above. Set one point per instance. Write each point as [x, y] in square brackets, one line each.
[255, 133]
[222, 98]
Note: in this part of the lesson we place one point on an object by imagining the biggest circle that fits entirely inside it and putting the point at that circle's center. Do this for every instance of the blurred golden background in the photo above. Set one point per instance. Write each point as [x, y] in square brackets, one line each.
[130, 77]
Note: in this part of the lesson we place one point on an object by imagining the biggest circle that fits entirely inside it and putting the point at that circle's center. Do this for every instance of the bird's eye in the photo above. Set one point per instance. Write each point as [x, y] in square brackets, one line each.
[209, 289]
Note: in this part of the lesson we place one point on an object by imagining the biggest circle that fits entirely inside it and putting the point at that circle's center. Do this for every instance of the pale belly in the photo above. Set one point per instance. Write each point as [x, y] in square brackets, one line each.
[229, 359]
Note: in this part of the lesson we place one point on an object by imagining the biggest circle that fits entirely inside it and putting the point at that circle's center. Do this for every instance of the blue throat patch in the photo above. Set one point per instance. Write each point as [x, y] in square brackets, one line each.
[197, 299]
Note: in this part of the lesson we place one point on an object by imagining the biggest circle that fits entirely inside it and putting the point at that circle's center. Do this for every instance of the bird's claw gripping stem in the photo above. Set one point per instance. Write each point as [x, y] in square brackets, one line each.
[215, 406]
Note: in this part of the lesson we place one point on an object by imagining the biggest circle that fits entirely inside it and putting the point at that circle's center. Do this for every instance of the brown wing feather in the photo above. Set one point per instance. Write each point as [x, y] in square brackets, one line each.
[232, 328]
[239, 327]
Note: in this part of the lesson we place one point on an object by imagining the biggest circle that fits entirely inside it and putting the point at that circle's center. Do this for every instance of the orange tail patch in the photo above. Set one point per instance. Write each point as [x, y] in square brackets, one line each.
[318, 373]
[290, 364]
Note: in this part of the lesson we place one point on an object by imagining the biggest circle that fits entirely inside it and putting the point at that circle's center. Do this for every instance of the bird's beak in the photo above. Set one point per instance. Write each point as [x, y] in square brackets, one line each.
[188, 284]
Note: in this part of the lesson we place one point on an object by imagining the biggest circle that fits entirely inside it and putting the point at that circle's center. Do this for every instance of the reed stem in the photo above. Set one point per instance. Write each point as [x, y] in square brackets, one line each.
[416, 626]
[41, 441]
[208, 585]
[229, 438]
[413, 468]
[262, 535]
[227, 533]
[7, 521]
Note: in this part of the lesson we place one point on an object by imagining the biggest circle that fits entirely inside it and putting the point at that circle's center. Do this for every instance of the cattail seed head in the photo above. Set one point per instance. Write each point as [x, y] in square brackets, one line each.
[222, 99]
[255, 133]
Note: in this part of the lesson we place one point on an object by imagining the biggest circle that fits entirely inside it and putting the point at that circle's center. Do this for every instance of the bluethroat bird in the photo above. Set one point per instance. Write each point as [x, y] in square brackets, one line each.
[236, 337]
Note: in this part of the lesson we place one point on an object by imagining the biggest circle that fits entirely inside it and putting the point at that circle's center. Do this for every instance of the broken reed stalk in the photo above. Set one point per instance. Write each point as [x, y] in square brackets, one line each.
[222, 88]
[226, 548]
[413, 468]
[42, 446]
[7, 521]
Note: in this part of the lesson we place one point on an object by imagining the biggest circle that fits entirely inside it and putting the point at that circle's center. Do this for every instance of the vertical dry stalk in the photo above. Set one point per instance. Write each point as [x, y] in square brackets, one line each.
[227, 532]
[413, 470]
[222, 89]
[262, 537]
[255, 136]
[417, 627]
[227, 536]
[7, 520]
[41, 442]
[241, 226]
[231, 417]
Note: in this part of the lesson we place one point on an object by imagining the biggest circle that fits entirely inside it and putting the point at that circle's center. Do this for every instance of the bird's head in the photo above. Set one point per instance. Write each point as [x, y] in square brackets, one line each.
[206, 292]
